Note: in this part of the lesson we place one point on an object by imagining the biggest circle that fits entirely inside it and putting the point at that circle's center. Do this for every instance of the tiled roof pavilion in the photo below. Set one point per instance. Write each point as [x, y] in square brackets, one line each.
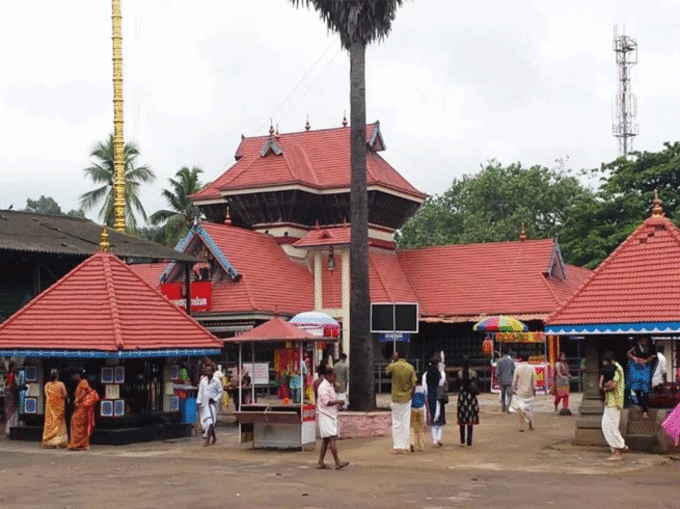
[102, 308]
[635, 290]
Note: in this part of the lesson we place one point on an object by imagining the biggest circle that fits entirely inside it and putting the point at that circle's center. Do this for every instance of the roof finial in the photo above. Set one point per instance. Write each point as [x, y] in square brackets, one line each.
[344, 119]
[522, 234]
[227, 217]
[104, 244]
[276, 133]
[307, 126]
[317, 224]
[657, 210]
[271, 127]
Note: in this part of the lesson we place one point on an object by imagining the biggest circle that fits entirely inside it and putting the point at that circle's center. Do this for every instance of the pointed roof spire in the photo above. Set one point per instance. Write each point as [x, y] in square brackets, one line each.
[307, 126]
[227, 217]
[104, 243]
[344, 119]
[271, 127]
[657, 210]
[522, 234]
[276, 133]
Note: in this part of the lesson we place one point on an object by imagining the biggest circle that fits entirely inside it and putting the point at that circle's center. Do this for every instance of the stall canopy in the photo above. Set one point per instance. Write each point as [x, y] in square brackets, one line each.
[102, 309]
[634, 291]
[275, 330]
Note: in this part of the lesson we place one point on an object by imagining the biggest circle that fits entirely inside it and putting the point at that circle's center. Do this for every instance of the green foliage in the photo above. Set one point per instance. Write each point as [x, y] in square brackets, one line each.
[48, 205]
[492, 206]
[177, 221]
[102, 172]
[624, 200]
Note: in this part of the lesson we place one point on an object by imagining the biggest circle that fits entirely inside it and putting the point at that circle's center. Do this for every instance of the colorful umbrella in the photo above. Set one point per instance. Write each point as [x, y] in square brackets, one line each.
[501, 323]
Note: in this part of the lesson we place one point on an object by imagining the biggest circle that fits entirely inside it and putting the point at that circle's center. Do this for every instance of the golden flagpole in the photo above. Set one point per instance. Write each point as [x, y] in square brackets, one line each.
[118, 139]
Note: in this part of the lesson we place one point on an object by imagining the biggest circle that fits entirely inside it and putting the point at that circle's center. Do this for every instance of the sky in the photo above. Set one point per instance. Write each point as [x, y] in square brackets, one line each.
[455, 84]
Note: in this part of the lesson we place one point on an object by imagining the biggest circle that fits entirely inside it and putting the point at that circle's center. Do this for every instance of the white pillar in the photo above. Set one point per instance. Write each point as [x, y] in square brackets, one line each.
[345, 300]
[318, 282]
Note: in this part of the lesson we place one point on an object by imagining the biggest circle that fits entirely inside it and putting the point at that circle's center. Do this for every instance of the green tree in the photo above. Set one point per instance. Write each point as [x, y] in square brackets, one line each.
[358, 23]
[596, 227]
[48, 205]
[177, 220]
[492, 206]
[102, 172]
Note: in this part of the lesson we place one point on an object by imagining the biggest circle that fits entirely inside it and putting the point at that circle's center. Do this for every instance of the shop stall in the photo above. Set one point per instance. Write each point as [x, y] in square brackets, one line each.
[536, 344]
[127, 338]
[289, 421]
[503, 330]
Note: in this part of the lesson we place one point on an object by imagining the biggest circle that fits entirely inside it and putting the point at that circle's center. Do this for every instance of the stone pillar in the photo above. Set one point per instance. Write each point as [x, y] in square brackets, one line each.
[588, 426]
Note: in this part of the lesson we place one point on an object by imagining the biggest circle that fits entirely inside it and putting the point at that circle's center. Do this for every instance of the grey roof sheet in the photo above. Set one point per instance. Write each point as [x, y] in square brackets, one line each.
[25, 231]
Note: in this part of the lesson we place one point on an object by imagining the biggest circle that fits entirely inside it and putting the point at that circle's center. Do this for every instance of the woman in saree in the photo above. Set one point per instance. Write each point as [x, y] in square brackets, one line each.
[82, 420]
[54, 432]
[11, 398]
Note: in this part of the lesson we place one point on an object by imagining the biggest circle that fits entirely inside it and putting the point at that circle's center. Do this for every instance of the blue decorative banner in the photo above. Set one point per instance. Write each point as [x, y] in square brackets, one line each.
[615, 328]
[123, 354]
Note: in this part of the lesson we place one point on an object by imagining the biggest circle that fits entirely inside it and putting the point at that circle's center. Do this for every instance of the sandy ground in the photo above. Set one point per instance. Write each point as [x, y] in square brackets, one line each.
[503, 468]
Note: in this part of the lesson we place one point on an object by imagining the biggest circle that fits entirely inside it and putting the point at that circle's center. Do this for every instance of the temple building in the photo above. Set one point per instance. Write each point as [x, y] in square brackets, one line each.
[276, 241]
[633, 293]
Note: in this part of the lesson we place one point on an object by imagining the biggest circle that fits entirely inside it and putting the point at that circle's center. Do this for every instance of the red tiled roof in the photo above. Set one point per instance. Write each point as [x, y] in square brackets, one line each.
[387, 280]
[326, 237]
[269, 280]
[149, 272]
[316, 159]
[102, 305]
[638, 282]
[492, 278]
[274, 330]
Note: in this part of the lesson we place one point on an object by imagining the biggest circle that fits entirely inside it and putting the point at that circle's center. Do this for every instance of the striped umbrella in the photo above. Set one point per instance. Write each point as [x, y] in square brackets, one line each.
[500, 323]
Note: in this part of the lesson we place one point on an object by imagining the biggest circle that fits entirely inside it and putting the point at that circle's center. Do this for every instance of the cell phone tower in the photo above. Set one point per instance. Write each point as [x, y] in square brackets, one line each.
[624, 127]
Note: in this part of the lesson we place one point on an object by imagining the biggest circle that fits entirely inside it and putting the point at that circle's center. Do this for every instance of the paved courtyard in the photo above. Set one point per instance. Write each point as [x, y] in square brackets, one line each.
[504, 468]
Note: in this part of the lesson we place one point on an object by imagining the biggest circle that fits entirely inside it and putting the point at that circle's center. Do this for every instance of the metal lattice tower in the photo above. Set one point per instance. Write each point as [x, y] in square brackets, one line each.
[624, 127]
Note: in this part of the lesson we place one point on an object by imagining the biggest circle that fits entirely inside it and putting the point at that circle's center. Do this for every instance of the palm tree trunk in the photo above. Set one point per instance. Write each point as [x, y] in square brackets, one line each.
[362, 387]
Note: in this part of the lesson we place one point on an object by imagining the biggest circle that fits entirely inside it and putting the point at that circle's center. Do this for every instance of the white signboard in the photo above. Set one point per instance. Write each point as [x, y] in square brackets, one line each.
[259, 372]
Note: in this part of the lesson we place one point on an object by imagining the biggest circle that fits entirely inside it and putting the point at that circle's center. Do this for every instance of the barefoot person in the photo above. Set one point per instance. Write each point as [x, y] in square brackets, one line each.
[327, 404]
[524, 388]
[54, 432]
[210, 394]
[403, 382]
[613, 404]
[82, 420]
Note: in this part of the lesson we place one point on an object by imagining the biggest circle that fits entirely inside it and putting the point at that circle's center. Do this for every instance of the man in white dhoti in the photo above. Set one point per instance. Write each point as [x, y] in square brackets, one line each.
[611, 416]
[524, 388]
[403, 383]
[327, 404]
[210, 394]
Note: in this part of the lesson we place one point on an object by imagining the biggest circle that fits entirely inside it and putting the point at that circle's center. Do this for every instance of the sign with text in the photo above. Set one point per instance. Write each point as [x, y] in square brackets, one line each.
[259, 372]
[201, 295]
[392, 337]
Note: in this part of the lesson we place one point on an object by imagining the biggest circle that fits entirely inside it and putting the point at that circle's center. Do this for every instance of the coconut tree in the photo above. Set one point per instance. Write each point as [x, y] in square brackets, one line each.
[101, 172]
[176, 221]
[358, 23]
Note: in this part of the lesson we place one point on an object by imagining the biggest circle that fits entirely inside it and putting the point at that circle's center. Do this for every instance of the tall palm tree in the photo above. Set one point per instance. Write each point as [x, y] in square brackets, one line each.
[359, 23]
[101, 172]
[177, 221]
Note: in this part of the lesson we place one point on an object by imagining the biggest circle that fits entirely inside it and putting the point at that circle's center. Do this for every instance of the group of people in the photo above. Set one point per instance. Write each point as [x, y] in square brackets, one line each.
[55, 431]
[415, 403]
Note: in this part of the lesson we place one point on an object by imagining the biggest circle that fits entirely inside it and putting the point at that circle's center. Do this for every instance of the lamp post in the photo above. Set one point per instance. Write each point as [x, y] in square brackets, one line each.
[118, 140]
